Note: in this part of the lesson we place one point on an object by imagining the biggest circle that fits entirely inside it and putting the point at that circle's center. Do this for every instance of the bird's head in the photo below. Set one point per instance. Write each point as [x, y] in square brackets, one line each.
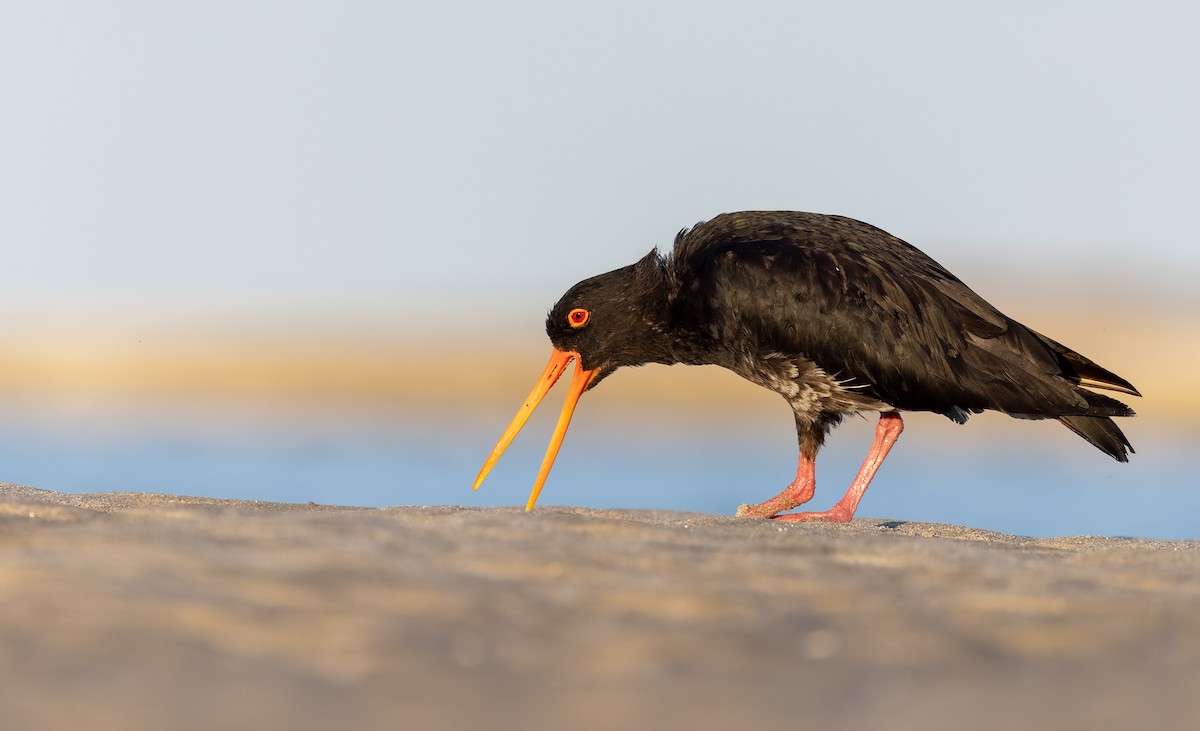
[612, 320]
[605, 322]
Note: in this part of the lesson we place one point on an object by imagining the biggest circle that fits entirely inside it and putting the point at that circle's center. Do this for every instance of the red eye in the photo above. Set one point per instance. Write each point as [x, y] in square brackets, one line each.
[577, 317]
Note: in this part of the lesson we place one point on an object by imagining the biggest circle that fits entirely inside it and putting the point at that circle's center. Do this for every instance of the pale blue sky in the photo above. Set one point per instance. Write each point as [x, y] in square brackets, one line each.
[424, 158]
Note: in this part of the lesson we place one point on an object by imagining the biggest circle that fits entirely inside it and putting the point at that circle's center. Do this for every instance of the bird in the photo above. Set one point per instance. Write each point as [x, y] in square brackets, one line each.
[835, 315]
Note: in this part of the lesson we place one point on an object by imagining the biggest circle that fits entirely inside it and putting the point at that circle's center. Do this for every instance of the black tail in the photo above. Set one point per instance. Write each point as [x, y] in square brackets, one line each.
[1102, 432]
[1083, 371]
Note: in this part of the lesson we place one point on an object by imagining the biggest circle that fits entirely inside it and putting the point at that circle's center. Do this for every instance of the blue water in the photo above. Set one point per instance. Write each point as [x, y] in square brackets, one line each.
[1042, 484]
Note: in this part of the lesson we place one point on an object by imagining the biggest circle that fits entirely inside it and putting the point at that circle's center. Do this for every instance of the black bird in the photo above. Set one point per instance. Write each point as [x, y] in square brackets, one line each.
[835, 315]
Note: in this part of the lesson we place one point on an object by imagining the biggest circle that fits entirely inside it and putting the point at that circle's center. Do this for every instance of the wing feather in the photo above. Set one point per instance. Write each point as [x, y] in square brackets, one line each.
[875, 311]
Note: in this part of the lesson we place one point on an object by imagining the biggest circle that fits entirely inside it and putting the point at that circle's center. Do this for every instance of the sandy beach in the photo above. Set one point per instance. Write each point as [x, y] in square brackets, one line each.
[141, 611]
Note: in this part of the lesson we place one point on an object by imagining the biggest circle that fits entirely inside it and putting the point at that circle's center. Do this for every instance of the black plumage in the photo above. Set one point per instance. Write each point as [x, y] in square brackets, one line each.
[835, 315]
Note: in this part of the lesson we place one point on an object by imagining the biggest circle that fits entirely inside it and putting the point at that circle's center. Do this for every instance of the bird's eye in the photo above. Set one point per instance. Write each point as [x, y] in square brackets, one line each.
[577, 317]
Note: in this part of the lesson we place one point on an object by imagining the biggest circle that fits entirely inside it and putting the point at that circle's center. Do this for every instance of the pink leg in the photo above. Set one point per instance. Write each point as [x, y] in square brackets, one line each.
[799, 492]
[886, 432]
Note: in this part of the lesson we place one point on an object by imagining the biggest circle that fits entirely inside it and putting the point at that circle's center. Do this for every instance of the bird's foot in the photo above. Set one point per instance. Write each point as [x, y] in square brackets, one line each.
[794, 495]
[836, 514]
[753, 511]
[769, 508]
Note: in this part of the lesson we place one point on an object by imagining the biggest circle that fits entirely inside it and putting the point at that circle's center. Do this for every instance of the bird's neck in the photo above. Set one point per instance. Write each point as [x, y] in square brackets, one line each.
[668, 341]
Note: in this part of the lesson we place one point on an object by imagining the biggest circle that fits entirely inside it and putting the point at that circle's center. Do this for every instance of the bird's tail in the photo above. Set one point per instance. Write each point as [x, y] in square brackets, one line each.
[1097, 428]
[1102, 432]
[1086, 372]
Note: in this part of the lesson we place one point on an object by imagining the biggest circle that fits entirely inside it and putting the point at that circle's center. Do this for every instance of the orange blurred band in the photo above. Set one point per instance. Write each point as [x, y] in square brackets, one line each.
[559, 360]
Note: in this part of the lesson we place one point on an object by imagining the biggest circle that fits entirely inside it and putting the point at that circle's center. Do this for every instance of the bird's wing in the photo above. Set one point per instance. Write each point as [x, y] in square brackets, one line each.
[869, 308]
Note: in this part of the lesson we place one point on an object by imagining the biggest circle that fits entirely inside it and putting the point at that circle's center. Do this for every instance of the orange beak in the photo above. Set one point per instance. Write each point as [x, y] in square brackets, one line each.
[559, 361]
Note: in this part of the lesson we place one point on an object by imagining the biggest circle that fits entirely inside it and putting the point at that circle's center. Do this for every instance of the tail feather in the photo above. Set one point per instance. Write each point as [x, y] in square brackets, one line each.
[1101, 405]
[1102, 432]
[1087, 372]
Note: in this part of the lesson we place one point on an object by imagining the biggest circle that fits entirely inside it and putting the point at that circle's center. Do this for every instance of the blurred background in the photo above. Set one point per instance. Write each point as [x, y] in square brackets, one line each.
[303, 251]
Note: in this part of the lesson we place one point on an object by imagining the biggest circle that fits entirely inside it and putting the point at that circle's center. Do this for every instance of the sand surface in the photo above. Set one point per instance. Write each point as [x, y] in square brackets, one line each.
[138, 611]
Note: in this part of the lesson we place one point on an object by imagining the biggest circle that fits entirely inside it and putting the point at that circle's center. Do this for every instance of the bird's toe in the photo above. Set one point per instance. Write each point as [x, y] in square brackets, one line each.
[833, 515]
[753, 511]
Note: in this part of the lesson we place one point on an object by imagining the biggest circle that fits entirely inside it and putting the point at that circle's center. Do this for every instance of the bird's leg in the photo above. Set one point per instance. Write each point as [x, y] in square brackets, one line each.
[886, 432]
[799, 492]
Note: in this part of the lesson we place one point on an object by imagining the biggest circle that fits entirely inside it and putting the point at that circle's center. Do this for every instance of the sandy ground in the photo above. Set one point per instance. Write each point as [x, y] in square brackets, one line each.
[136, 611]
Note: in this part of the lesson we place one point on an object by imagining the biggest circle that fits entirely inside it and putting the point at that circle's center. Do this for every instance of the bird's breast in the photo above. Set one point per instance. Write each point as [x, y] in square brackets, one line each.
[805, 385]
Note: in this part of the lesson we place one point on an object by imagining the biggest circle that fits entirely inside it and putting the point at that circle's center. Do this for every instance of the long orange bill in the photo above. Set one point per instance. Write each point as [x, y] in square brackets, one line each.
[559, 361]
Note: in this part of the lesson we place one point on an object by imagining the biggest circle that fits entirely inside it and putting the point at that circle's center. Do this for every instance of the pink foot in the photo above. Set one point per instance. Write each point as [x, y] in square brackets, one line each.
[835, 514]
[799, 492]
